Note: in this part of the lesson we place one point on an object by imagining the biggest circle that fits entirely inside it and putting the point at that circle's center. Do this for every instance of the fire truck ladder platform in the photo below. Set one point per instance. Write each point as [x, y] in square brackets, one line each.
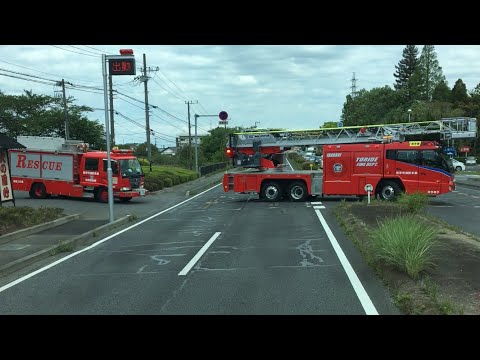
[447, 128]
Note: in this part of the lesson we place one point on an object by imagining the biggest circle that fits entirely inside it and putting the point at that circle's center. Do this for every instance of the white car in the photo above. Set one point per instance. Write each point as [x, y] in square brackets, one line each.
[458, 165]
[470, 160]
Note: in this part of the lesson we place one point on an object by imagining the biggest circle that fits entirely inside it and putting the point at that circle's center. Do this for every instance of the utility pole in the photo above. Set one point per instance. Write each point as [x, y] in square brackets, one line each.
[112, 124]
[144, 78]
[354, 86]
[190, 134]
[147, 113]
[65, 110]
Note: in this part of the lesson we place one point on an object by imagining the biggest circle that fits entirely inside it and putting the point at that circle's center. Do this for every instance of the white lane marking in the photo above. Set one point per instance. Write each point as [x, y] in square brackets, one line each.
[198, 255]
[352, 276]
[319, 207]
[316, 202]
[23, 278]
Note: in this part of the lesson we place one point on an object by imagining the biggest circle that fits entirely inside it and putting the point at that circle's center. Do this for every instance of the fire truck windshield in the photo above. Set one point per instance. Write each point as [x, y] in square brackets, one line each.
[435, 159]
[130, 167]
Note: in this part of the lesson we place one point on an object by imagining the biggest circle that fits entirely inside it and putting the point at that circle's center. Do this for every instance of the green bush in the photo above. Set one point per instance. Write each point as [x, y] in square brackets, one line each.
[167, 182]
[405, 243]
[413, 203]
[153, 182]
[183, 178]
[306, 166]
[143, 162]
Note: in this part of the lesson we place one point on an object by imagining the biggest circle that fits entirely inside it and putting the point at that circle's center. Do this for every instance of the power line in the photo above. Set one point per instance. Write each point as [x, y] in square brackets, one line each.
[76, 52]
[33, 76]
[88, 51]
[165, 89]
[103, 51]
[32, 80]
[176, 92]
[42, 72]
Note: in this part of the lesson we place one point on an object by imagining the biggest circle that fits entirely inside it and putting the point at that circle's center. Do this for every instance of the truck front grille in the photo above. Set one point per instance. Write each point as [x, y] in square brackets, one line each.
[135, 183]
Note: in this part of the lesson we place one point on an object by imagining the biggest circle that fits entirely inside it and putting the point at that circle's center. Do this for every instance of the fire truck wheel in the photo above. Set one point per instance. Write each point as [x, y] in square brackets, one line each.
[271, 191]
[38, 191]
[389, 190]
[102, 195]
[297, 191]
[125, 199]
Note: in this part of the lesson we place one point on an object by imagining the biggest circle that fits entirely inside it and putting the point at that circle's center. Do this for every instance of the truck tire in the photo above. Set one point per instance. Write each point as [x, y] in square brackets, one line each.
[101, 195]
[389, 190]
[297, 191]
[38, 191]
[271, 191]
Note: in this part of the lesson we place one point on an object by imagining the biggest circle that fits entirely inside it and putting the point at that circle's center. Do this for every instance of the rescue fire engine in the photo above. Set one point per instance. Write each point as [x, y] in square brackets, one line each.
[353, 157]
[55, 166]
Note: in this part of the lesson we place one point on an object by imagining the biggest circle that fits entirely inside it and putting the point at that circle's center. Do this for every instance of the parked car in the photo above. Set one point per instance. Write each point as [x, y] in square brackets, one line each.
[458, 165]
[470, 160]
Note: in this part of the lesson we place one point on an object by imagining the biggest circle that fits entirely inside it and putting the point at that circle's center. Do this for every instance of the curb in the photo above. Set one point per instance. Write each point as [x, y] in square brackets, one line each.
[202, 187]
[37, 228]
[75, 241]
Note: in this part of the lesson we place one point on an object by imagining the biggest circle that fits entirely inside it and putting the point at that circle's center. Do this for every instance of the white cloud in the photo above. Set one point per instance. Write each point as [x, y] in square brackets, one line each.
[299, 86]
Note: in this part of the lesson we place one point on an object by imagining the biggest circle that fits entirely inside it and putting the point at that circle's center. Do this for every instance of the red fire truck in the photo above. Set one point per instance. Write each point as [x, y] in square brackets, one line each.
[353, 157]
[54, 166]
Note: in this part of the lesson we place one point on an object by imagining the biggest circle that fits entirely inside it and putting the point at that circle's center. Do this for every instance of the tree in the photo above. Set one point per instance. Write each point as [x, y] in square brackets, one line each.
[428, 73]
[405, 69]
[41, 115]
[442, 92]
[213, 146]
[329, 124]
[378, 105]
[459, 92]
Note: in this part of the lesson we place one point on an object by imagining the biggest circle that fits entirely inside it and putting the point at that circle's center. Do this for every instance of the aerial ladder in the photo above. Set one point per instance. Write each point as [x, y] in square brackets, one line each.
[264, 149]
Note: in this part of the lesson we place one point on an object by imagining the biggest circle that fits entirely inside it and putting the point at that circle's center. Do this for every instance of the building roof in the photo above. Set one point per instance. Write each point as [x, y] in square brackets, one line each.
[9, 143]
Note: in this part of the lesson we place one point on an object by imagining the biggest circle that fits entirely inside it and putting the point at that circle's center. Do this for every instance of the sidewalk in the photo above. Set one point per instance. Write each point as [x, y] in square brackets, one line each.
[28, 247]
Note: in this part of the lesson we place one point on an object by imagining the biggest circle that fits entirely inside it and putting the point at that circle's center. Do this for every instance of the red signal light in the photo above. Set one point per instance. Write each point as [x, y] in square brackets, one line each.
[126, 52]
[230, 153]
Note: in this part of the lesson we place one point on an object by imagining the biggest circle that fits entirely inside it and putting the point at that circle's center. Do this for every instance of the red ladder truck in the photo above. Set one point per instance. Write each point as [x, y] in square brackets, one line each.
[353, 157]
[55, 166]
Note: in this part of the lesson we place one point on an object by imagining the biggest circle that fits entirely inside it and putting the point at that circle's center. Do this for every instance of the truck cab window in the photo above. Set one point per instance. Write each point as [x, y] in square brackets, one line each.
[91, 164]
[433, 159]
[114, 166]
[408, 156]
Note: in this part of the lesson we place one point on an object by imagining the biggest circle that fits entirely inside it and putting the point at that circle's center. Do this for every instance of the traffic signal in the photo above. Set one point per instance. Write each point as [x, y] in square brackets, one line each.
[230, 153]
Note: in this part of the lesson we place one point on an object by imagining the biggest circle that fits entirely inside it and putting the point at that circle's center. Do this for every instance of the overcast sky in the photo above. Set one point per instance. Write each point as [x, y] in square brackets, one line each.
[294, 87]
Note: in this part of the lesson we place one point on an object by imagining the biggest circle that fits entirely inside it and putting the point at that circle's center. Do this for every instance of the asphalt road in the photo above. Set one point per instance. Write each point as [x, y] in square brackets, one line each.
[460, 208]
[218, 253]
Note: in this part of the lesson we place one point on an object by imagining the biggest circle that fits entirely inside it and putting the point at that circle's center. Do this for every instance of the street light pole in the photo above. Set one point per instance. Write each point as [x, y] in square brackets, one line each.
[107, 133]
[409, 112]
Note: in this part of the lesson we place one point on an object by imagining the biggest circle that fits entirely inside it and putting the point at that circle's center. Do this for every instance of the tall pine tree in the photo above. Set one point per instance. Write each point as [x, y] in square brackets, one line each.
[405, 69]
[459, 92]
[428, 73]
